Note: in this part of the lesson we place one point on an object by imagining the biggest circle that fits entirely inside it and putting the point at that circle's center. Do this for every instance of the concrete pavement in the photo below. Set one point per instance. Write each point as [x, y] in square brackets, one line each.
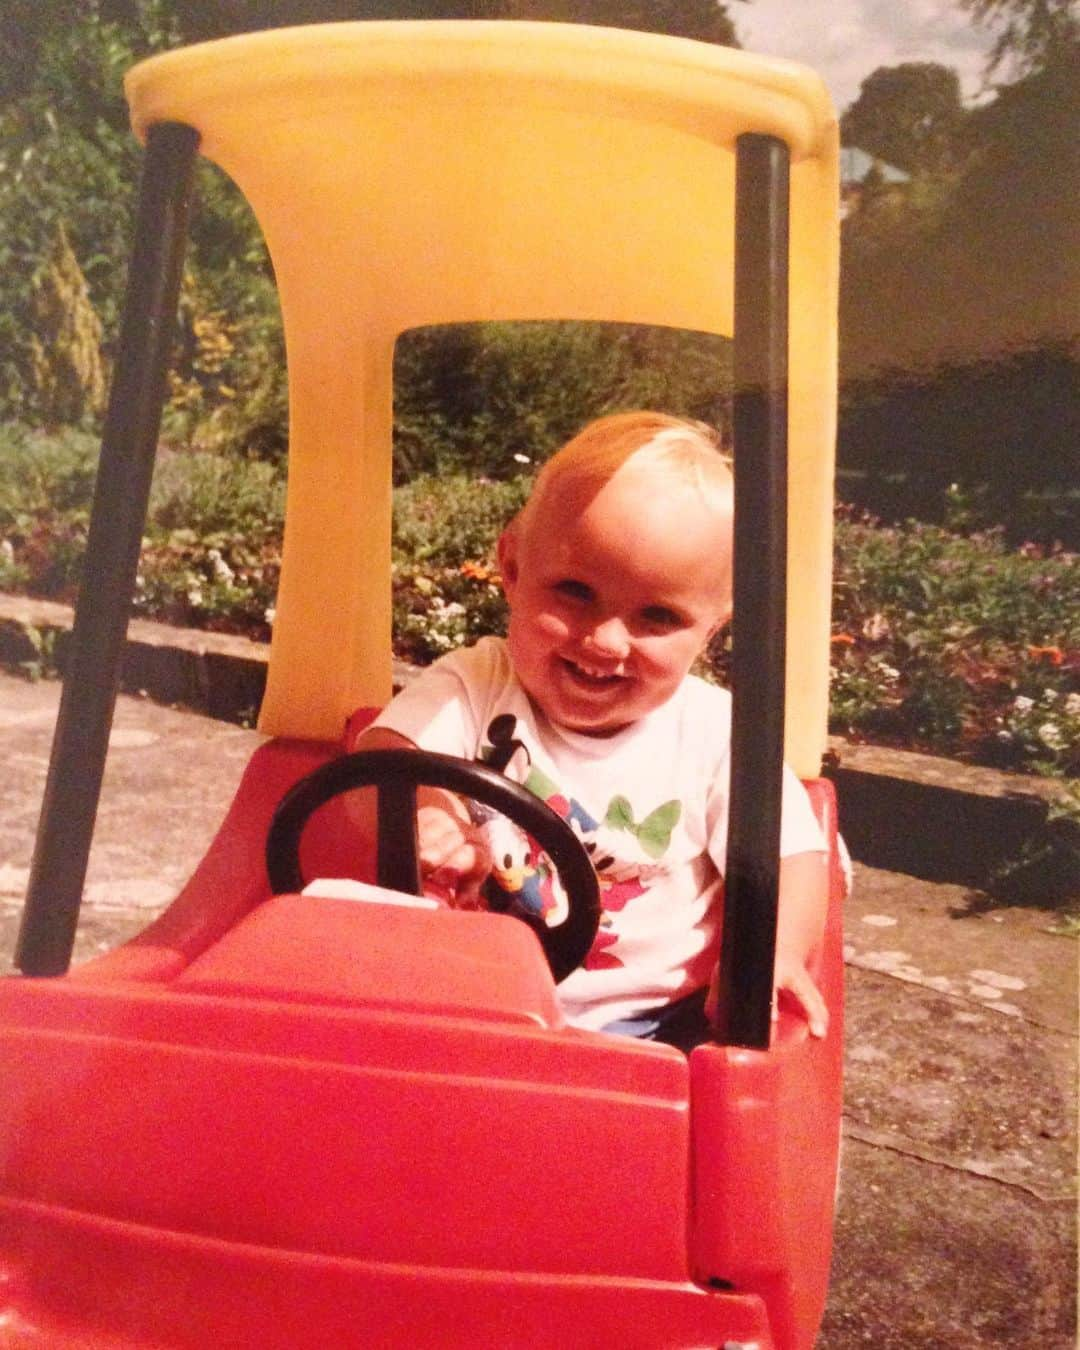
[956, 1221]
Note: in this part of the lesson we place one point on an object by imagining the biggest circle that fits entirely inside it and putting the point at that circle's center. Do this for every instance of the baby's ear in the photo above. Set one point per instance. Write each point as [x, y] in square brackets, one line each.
[507, 553]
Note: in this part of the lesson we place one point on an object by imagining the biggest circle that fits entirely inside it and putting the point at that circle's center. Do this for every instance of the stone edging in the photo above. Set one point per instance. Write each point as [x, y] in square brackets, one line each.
[933, 818]
[939, 819]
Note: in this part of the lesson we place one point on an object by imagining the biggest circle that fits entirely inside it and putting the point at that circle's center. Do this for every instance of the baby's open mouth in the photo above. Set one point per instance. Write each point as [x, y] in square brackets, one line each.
[594, 677]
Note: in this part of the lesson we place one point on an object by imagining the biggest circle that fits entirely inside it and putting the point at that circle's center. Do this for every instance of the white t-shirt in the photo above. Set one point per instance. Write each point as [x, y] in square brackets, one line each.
[650, 803]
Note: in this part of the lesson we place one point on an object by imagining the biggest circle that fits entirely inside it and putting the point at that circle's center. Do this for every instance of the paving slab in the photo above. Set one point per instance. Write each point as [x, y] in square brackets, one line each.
[169, 778]
[956, 1224]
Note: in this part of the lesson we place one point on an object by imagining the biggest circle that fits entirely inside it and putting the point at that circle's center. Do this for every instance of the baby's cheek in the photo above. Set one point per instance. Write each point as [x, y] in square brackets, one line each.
[669, 658]
[552, 628]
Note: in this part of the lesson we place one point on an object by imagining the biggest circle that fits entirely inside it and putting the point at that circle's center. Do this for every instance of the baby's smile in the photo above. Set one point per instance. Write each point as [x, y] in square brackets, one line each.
[593, 677]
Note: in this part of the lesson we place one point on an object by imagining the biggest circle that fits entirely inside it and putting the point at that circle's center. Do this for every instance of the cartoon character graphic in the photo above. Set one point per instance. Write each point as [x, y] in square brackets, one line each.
[624, 868]
[520, 877]
[627, 854]
[627, 859]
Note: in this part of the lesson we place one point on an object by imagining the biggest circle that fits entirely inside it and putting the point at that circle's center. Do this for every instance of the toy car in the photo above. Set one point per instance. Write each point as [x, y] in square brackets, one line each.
[355, 1118]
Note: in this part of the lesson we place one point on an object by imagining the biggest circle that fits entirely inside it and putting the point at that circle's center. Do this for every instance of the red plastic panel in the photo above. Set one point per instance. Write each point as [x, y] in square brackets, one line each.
[417, 1159]
[416, 960]
[67, 1281]
[231, 879]
[336, 1035]
[766, 1129]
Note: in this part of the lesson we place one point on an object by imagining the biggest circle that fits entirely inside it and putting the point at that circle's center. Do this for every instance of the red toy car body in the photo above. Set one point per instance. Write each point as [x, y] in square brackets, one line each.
[306, 1121]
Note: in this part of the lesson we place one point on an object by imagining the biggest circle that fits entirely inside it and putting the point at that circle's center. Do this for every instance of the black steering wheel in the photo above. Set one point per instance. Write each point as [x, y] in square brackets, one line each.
[396, 774]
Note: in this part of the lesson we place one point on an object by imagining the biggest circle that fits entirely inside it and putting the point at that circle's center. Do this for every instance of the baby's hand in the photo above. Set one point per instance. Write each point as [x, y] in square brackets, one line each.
[455, 859]
[792, 983]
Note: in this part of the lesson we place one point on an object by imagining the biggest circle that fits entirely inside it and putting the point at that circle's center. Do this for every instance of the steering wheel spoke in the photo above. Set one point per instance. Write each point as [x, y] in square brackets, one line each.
[398, 854]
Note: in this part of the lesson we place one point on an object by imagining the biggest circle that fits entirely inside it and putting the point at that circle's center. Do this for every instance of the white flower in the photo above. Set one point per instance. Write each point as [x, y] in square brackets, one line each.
[7, 550]
[1051, 737]
[270, 614]
[1004, 735]
[441, 611]
[1023, 704]
[522, 459]
[1072, 705]
[876, 627]
[195, 597]
[222, 570]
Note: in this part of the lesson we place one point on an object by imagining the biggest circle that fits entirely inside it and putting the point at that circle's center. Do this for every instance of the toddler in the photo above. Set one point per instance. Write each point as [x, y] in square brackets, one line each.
[617, 572]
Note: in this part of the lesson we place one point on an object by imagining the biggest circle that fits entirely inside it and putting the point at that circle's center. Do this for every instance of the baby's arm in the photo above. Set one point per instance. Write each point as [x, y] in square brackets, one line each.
[454, 855]
[804, 894]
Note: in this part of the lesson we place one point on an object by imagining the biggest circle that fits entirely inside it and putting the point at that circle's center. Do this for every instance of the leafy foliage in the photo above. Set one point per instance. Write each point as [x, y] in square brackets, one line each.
[909, 115]
[958, 316]
[64, 376]
[706, 20]
[446, 588]
[989, 440]
[494, 397]
[453, 520]
[1031, 34]
[958, 299]
[945, 640]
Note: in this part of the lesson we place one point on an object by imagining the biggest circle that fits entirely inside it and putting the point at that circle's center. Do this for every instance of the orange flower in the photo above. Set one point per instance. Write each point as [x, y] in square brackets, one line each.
[842, 640]
[1052, 655]
[477, 571]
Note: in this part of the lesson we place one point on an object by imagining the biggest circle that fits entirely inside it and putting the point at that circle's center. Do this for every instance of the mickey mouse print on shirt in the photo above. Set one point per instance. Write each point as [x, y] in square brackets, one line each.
[627, 852]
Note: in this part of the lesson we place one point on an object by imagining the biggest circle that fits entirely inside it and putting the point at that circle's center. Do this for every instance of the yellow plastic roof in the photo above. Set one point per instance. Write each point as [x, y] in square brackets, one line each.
[429, 172]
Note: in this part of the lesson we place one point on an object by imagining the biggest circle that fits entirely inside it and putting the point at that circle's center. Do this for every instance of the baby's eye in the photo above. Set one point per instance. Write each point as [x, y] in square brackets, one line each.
[574, 590]
[659, 616]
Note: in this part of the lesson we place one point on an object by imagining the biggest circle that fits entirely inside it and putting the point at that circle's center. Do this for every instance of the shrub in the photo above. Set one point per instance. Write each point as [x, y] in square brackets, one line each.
[210, 495]
[453, 520]
[45, 488]
[943, 641]
[446, 590]
[41, 473]
[221, 582]
[211, 551]
[488, 397]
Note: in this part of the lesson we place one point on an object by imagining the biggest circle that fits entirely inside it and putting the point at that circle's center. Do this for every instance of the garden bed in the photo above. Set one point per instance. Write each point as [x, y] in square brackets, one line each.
[946, 642]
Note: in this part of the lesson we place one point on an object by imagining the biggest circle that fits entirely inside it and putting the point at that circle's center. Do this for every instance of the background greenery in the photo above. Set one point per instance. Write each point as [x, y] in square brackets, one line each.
[956, 596]
[943, 639]
[959, 292]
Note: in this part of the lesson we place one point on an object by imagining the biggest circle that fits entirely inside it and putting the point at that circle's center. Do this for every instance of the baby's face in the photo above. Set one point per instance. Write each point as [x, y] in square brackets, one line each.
[610, 602]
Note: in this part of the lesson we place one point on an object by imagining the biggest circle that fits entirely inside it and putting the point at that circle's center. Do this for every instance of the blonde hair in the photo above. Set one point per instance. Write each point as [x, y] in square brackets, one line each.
[687, 451]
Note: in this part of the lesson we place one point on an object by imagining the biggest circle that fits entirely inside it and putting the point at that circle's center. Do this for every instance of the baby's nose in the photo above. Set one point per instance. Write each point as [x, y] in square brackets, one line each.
[610, 639]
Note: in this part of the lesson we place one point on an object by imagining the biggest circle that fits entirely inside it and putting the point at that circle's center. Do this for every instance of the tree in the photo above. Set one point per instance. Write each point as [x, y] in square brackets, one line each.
[1032, 34]
[64, 374]
[909, 115]
[706, 20]
[71, 168]
[958, 312]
